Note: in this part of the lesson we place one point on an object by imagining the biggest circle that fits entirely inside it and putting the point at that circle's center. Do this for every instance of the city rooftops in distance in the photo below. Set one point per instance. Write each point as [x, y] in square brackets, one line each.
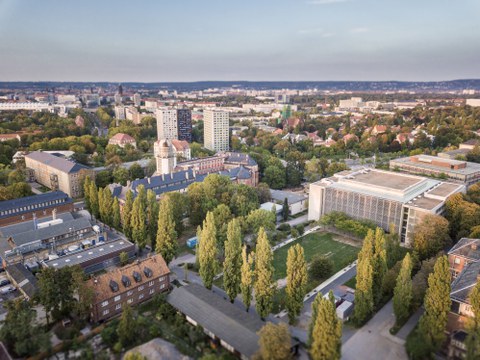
[456, 170]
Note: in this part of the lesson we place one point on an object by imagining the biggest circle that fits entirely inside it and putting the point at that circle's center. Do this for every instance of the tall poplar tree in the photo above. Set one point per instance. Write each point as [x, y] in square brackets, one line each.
[315, 306]
[166, 243]
[152, 215]
[437, 305]
[101, 208]
[264, 282]
[327, 332]
[364, 292]
[107, 206]
[127, 214]
[403, 292]
[473, 325]
[232, 265]
[296, 281]
[116, 218]
[138, 223]
[247, 275]
[86, 192]
[93, 196]
[207, 251]
[379, 265]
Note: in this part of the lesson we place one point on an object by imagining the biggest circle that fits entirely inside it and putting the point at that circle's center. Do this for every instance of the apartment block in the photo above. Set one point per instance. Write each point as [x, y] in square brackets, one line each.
[216, 130]
[132, 284]
[57, 173]
[166, 123]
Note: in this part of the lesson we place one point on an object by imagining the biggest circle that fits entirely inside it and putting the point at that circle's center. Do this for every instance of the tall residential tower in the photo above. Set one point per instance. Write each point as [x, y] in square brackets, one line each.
[216, 130]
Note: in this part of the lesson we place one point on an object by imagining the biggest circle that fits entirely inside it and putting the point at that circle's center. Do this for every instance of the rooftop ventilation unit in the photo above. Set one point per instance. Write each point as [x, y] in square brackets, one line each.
[137, 276]
[126, 281]
[113, 286]
[148, 272]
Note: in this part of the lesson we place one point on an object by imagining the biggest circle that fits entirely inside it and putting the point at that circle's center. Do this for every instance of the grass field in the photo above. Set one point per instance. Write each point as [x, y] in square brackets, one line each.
[316, 244]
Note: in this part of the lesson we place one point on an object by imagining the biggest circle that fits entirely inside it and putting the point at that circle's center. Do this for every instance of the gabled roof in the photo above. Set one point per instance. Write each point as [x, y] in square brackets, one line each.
[58, 163]
[224, 319]
[467, 248]
[464, 283]
[122, 137]
[34, 200]
[23, 278]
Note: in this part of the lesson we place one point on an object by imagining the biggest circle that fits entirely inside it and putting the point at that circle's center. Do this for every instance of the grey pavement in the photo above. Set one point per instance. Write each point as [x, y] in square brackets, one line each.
[297, 221]
[374, 341]
[410, 324]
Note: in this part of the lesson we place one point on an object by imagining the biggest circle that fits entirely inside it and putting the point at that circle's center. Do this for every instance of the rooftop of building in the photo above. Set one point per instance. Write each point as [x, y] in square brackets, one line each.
[56, 162]
[464, 283]
[292, 198]
[122, 137]
[467, 248]
[91, 253]
[211, 311]
[34, 200]
[23, 278]
[426, 162]
[27, 232]
[418, 191]
[153, 266]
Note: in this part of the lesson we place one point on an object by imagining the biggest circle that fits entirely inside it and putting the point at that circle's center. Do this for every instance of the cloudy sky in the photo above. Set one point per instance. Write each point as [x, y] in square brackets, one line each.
[192, 40]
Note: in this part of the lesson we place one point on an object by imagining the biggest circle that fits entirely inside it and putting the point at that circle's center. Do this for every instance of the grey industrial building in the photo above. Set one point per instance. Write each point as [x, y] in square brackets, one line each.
[95, 258]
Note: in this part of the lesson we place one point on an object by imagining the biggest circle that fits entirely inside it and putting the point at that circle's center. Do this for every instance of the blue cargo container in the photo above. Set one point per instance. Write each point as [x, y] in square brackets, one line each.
[191, 243]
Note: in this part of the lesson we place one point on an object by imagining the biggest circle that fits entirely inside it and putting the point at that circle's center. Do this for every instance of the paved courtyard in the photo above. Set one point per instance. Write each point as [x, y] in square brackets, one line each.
[374, 341]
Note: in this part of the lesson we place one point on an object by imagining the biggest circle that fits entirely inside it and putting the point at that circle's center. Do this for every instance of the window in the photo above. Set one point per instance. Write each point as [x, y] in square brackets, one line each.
[161, 278]
[118, 306]
[105, 312]
[117, 298]
[129, 293]
[140, 297]
[162, 286]
[105, 303]
[151, 291]
[140, 288]
[129, 301]
[457, 261]
[150, 283]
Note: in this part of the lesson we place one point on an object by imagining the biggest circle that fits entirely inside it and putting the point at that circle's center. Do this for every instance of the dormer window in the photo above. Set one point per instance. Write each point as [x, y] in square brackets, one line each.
[126, 281]
[137, 276]
[148, 272]
[113, 286]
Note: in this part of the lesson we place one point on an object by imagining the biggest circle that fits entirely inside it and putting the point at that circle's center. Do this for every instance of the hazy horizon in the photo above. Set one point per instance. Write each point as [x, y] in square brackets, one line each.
[192, 40]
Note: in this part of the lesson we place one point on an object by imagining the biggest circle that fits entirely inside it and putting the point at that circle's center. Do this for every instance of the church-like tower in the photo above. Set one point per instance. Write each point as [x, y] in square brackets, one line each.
[164, 156]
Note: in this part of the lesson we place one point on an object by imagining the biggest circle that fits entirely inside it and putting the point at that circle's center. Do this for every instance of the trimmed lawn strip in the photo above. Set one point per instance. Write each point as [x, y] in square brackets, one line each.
[316, 244]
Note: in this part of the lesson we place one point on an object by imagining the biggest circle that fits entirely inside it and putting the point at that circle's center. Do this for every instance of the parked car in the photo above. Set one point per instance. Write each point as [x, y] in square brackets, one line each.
[4, 281]
[7, 289]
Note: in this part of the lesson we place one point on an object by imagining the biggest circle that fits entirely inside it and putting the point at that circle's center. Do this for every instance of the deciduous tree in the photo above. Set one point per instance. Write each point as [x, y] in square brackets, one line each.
[437, 305]
[327, 331]
[166, 243]
[264, 282]
[207, 251]
[127, 214]
[247, 277]
[403, 293]
[296, 281]
[232, 265]
[275, 342]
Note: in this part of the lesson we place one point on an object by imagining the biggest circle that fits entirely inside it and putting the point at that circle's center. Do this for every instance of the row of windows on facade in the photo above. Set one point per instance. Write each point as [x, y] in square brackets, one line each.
[31, 207]
[129, 301]
[130, 292]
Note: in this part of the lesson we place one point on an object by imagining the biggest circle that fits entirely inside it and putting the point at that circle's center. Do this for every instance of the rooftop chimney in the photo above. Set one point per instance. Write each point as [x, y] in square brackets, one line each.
[474, 245]
[54, 214]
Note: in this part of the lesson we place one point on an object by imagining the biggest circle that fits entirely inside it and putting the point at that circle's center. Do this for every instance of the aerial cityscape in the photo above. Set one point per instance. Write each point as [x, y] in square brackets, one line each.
[264, 180]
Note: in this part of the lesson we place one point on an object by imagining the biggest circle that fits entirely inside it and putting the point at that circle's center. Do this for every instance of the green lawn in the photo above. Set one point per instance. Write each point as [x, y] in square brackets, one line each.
[316, 244]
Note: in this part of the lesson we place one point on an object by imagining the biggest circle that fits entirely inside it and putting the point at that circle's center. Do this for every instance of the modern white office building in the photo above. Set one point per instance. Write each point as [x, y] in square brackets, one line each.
[383, 197]
[216, 130]
[166, 123]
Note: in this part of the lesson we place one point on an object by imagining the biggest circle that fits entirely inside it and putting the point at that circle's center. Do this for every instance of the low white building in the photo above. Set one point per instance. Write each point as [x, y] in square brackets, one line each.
[297, 202]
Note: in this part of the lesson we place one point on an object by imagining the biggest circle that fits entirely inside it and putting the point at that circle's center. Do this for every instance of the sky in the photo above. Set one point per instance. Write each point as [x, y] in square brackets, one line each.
[257, 40]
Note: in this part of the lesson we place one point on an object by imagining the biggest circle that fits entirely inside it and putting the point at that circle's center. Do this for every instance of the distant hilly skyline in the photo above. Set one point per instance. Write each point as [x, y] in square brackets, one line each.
[420, 86]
